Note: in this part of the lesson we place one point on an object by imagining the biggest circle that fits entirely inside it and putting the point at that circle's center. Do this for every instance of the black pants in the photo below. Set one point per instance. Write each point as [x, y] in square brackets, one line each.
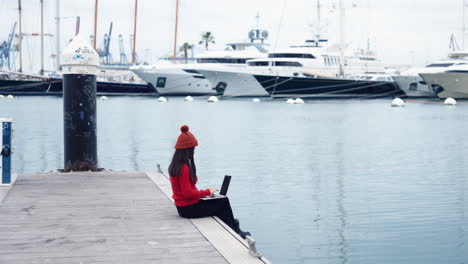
[213, 207]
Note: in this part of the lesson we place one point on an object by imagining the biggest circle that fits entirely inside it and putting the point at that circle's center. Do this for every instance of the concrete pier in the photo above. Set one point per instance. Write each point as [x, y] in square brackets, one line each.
[107, 217]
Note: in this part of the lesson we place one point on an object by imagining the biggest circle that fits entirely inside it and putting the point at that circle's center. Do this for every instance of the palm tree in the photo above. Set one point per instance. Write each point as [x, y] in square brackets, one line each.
[207, 38]
[185, 47]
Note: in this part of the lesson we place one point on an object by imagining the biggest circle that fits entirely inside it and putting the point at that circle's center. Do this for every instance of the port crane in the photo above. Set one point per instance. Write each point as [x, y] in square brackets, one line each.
[6, 51]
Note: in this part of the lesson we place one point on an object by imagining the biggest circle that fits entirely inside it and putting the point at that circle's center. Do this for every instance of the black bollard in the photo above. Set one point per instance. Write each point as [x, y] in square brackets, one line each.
[79, 66]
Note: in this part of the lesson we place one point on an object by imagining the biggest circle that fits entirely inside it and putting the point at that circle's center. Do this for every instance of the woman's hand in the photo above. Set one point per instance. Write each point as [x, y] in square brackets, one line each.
[212, 190]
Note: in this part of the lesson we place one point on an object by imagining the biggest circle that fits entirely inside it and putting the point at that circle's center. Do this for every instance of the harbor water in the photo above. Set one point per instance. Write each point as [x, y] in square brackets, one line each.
[347, 181]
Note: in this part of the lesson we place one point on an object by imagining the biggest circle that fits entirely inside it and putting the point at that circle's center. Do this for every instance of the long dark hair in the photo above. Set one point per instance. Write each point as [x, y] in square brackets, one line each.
[183, 157]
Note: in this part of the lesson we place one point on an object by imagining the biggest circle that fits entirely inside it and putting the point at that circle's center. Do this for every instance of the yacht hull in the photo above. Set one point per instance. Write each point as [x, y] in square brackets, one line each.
[414, 86]
[55, 87]
[448, 84]
[234, 84]
[278, 86]
[175, 82]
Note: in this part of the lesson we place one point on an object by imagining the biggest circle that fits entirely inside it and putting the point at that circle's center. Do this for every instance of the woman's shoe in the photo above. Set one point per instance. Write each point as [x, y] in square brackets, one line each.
[244, 234]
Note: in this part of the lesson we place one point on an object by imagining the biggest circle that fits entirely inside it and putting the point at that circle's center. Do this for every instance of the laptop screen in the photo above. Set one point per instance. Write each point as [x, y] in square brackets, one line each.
[225, 186]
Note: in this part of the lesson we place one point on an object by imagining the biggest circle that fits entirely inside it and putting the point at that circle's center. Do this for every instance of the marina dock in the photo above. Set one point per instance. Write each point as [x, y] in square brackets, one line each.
[107, 217]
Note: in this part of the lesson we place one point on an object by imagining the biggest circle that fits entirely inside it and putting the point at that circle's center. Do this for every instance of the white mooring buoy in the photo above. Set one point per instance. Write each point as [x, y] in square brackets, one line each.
[188, 98]
[290, 101]
[103, 98]
[397, 102]
[10, 96]
[213, 99]
[298, 101]
[162, 99]
[450, 101]
[256, 100]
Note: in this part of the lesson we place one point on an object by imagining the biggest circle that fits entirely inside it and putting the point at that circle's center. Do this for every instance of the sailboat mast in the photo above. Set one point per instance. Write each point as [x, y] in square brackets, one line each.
[57, 35]
[175, 31]
[463, 24]
[20, 38]
[42, 38]
[342, 38]
[95, 23]
[318, 21]
[134, 33]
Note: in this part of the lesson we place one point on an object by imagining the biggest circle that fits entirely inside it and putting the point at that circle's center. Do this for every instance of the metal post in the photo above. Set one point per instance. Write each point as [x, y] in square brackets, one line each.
[5, 140]
[79, 66]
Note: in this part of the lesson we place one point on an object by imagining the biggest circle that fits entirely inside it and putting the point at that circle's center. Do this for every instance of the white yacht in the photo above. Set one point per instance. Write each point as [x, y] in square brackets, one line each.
[453, 82]
[185, 79]
[411, 82]
[310, 59]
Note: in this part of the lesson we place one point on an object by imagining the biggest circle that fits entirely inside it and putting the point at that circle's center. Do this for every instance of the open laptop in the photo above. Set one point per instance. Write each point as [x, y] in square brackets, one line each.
[223, 190]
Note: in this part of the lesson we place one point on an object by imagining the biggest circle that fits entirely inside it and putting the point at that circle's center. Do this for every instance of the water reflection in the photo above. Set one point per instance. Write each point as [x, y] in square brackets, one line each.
[342, 214]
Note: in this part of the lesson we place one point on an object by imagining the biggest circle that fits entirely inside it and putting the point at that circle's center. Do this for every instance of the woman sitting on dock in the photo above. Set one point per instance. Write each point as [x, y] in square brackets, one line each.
[187, 197]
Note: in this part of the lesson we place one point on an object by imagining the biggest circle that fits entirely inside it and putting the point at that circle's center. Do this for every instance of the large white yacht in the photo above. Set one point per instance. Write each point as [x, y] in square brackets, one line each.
[411, 82]
[309, 59]
[452, 82]
[185, 79]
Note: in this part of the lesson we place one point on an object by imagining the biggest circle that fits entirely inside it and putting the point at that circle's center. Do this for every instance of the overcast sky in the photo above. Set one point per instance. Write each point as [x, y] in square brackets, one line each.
[400, 31]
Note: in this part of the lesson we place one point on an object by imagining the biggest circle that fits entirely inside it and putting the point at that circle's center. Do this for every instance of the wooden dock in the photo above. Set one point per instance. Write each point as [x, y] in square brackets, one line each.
[107, 217]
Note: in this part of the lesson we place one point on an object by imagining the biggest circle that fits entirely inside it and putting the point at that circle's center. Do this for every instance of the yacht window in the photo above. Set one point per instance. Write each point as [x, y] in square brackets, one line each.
[440, 65]
[258, 63]
[191, 71]
[291, 55]
[288, 63]
[161, 82]
[223, 60]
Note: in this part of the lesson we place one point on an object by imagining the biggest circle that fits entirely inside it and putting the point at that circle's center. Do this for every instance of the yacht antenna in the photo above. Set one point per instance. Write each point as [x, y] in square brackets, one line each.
[77, 26]
[134, 33]
[20, 38]
[342, 38]
[57, 35]
[95, 23]
[42, 38]
[257, 31]
[453, 46]
[175, 31]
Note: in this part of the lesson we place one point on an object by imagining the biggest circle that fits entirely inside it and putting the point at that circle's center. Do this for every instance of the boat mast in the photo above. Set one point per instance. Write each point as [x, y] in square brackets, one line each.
[175, 31]
[42, 38]
[342, 38]
[57, 35]
[20, 38]
[318, 22]
[95, 23]
[463, 24]
[134, 33]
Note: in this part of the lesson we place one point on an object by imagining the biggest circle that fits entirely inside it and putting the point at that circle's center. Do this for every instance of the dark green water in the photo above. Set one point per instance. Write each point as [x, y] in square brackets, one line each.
[325, 182]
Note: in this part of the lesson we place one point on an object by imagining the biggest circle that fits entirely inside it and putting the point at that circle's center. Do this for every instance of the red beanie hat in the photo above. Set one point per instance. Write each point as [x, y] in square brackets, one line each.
[186, 139]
